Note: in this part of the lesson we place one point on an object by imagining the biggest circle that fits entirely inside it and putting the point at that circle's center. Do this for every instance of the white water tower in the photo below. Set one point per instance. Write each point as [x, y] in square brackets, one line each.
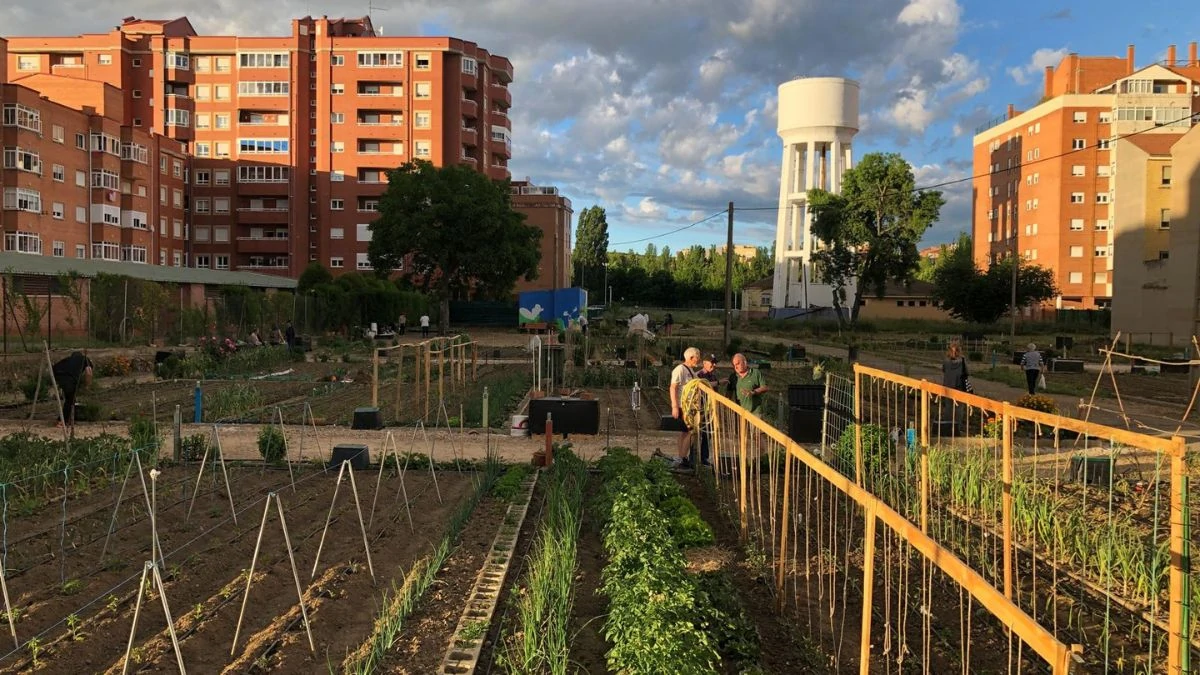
[818, 118]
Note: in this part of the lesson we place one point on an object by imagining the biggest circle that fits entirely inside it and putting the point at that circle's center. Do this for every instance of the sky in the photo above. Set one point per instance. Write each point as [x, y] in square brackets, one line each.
[663, 111]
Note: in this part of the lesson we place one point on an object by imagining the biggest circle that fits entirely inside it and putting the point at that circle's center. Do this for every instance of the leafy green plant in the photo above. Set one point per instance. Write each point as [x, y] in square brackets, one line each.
[143, 433]
[1039, 402]
[35, 651]
[191, 448]
[508, 486]
[232, 402]
[271, 444]
[72, 586]
[73, 623]
[876, 450]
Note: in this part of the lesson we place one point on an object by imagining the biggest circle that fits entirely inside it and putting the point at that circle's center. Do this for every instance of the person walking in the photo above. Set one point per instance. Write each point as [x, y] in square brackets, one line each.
[954, 376]
[69, 374]
[403, 323]
[750, 385]
[290, 336]
[1034, 367]
[424, 325]
[683, 373]
[668, 323]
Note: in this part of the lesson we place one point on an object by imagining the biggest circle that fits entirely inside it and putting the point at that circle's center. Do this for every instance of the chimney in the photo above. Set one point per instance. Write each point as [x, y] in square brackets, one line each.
[1012, 112]
[1129, 60]
[1192, 59]
[1170, 55]
[1048, 86]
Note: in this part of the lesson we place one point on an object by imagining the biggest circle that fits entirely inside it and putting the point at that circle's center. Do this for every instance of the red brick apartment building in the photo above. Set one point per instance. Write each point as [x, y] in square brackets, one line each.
[1043, 181]
[551, 213]
[284, 141]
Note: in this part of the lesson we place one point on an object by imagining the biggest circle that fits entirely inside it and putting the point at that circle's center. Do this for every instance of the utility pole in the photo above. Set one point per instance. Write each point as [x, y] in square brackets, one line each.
[1016, 264]
[729, 276]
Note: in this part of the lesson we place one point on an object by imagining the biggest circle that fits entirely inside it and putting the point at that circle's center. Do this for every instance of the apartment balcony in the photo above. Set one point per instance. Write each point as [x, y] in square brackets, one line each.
[501, 148]
[263, 245]
[470, 109]
[382, 90]
[501, 68]
[500, 95]
[265, 267]
[380, 146]
[470, 81]
[262, 189]
[246, 216]
[470, 137]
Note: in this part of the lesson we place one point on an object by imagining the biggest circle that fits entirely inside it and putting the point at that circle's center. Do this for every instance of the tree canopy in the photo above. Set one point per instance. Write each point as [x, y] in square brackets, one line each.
[977, 296]
[591, 250]
[452, 229]
[870, 231]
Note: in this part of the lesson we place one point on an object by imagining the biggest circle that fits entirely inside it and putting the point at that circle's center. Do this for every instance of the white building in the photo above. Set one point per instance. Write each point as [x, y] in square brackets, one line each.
[818, 118]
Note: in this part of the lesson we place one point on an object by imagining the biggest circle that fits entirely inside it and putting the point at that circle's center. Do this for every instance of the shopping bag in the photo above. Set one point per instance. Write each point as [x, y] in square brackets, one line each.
[1041, 383]
[969, 386]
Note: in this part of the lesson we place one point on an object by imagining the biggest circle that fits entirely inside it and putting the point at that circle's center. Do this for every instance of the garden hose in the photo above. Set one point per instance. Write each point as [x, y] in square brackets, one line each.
[693, 400]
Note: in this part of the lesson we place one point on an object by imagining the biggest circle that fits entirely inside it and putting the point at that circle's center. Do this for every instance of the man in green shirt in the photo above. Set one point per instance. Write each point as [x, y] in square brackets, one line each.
[750, 385]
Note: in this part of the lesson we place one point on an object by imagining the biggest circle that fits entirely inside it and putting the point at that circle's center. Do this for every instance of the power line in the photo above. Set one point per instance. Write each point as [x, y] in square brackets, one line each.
[665, 234]
[1016, 167]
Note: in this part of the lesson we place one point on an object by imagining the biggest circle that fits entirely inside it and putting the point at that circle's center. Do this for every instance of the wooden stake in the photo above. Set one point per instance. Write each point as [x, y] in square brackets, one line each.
[783, 559]
[1177, 640]
[374, 377]
[1006, 500]
[858, 458]
[864, 652]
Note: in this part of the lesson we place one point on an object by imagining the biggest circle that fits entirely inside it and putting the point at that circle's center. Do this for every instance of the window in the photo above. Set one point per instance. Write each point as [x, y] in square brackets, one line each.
[23, 242]
[1102, 198]
[1105, 117]
[381, 59]
[80, 251]
[178, 60]
[337, 233]
[80, 214]
[1100, 278]
[162, 164]
[1076, 278]
[17, 115]
[221, 205]
[421, 62]
[469, 65]
[22, 160]
[1077, 224]
[337, 118]
[263, 146]
[263, 174]
[203, 92]
[363, 232]
[80, 179]
[59, 173]
[177, 228]
[1164, 219]
[203, 149]
[203, 64]
[423, 148]
[335, 262]
[1102, 225]
[202, 205]
[1036, 177]
[1077, 170]
[221, 176]
[422, 119]
[106, 179]
[264, 60]
[177, 259]
[223, 64]
[177, 198]
[1101, 251]
[136, 63]
[337, 204]
[264, 88]
[106, 251]
[136, 254]
[337, 146]
[337, 176]
[29, 62]
[338, 89]
[422, 90]
[58, 211]
[57, 133]
[1166, 175]
[337, 60]
[221, 92]
[1103, 170]
[221, 121]
[1076, 251]
[1079, 117]
[59, 248]
[1076, 197]
[177, 168]
[368, 205]
[362, 262]
[1103, 143]
[221, 149]
[222, 262]
[203, 120]
[178, 118]
[1078, 143]
[221, 235]
[162, 226]
[203, 176]
[22, 199]
[202, 234]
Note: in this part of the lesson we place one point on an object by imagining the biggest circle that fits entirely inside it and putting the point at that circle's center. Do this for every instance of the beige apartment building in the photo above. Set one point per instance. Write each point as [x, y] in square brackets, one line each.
[1052, 182]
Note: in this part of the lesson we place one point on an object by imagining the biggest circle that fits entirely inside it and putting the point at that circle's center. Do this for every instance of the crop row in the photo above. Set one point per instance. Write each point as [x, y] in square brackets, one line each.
[540, 640]
[662, 619]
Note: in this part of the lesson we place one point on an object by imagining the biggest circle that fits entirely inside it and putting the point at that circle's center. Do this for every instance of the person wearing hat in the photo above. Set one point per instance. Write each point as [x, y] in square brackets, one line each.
[708, 369]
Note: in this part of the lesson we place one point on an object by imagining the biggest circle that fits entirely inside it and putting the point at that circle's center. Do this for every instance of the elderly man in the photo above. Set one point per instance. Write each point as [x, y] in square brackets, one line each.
[70, 374]
[683, 373]
[750, 385]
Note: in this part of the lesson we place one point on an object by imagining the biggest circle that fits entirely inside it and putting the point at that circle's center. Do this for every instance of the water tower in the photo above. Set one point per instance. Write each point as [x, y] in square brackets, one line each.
[818, 118]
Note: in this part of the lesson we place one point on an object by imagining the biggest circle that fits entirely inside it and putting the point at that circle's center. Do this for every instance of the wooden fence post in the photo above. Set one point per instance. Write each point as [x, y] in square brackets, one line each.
[858, 458]
[1179, 604]
[1006, 500]
[864, 653]
[782, 559]
[745, 427]
[374, 376]
[924, 457]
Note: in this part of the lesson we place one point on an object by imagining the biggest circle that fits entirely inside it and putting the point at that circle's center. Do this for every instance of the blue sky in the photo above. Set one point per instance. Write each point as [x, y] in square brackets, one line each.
[662, 112]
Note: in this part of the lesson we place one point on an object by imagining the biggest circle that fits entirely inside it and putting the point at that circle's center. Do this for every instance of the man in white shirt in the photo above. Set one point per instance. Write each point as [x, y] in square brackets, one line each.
[683, 373]
[424, 325]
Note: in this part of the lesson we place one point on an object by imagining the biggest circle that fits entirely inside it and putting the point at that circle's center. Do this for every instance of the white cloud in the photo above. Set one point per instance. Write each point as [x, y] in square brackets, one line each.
[1042, 58]
[938, 12]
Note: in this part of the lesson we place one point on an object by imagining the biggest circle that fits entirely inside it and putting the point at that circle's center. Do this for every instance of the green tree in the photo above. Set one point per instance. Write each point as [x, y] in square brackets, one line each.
[455, 229]
[591, 249]
[313, 275]
[973, 295]
[870, 231]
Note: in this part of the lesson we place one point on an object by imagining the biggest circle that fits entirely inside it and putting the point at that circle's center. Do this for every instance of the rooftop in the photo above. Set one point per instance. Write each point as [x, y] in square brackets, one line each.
[22, 263]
